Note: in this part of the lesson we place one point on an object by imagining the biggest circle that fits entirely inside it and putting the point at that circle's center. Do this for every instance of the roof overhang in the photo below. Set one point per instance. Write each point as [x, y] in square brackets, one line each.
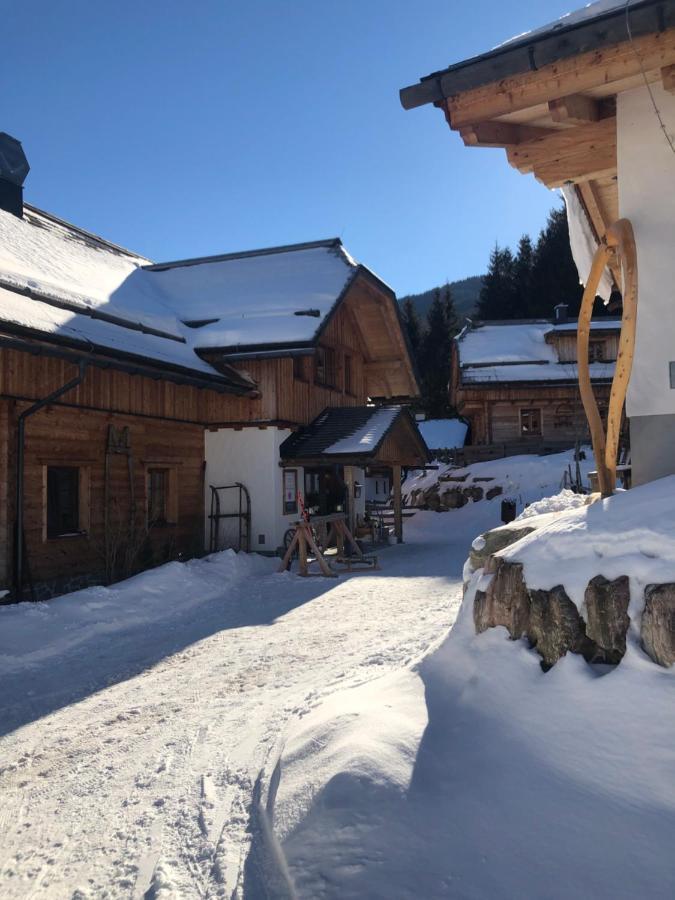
[534, 51]
[549, 98]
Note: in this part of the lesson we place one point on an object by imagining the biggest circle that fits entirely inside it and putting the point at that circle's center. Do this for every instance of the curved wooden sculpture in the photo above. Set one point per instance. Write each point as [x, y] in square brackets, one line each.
[619, 242]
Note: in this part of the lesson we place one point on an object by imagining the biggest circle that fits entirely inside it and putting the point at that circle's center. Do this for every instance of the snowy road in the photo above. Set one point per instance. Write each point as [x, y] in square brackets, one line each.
[129, 761]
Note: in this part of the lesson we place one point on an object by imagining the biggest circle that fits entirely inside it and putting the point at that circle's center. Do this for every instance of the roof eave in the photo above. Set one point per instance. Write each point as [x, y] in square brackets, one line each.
[532, 52]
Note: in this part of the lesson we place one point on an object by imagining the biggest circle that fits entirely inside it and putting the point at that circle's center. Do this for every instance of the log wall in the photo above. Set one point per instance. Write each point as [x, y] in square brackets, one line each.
[67, 437]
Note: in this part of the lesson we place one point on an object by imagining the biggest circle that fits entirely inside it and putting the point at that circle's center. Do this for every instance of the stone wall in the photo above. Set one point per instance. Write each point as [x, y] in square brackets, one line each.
[551, 621]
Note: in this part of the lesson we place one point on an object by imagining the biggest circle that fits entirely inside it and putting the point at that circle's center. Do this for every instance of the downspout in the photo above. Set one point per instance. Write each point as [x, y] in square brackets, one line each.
[20, 442]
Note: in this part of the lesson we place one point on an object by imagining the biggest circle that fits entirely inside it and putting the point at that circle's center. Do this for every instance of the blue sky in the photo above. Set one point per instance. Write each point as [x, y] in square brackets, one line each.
[181, 129]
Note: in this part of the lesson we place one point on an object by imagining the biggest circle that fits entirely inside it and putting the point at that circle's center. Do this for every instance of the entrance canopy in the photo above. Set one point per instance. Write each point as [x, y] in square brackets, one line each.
[356, 436]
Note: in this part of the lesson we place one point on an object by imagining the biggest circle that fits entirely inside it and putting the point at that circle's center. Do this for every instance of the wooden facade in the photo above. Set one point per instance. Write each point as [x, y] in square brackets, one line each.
[155, 427]
[532, 414]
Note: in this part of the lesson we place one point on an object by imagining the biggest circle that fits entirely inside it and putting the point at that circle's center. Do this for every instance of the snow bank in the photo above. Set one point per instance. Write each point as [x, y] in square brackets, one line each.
[523, 784]
[33, 632]
[526, 478]
[631, 533]
[565, 500]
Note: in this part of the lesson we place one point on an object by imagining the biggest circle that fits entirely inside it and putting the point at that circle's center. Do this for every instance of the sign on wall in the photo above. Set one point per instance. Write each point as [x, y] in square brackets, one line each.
[290, 491]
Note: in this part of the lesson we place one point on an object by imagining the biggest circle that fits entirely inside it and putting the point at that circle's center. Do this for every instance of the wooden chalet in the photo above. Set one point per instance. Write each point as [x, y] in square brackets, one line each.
[587, 104]
[128, 389]
[516, 382]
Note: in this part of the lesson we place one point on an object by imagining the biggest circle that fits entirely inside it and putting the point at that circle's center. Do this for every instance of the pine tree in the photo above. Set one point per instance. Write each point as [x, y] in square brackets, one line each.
[435, 355]
[412, 327]
[498, 295]
[522, 276]
[554, 275]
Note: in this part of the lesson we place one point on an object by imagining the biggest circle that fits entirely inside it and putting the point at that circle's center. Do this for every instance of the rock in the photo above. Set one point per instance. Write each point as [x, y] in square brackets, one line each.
[555, 626]
[505, 602]
[494, 492]
[494, 541]
[607, 616]
[432, 502]
[453, 499]
[473, 492]
[658, 623]
[453, 477]
[484, 478]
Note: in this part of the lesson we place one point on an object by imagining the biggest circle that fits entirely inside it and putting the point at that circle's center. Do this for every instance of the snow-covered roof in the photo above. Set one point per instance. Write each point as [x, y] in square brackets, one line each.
[523, 351]
[366, 438]
[280, 296]
[517, 343]
[576, 17]
[62, 282]
[601, 371]
[441, 434]
[347, 431]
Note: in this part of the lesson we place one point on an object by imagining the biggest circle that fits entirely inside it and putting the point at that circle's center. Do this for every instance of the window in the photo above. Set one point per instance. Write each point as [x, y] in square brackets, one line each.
[530, 423]
[349, 384]
[158, 496]
[324, 372]
[596, 351]
[63, 501]
[299, 368]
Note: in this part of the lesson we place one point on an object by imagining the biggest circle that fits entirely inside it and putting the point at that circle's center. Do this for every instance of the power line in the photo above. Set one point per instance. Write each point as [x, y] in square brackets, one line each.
[668, 138]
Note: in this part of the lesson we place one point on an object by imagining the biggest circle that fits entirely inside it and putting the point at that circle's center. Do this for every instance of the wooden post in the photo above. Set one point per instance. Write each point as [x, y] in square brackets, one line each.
[398, 517]
[620, 240]
[351, 512]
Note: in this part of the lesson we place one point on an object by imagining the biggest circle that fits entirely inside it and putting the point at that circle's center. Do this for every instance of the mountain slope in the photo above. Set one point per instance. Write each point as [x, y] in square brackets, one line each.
[465, 294]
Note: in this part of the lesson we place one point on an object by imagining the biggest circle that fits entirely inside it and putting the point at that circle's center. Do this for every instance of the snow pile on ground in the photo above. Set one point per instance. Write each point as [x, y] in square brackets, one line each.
[525, 479]
[631, 533]
[561, 502]
[135, 721]
[31, 633]
[523, 783]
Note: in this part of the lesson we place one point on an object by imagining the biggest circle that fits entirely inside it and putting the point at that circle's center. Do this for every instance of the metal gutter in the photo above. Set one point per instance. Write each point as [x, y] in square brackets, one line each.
[541, 48]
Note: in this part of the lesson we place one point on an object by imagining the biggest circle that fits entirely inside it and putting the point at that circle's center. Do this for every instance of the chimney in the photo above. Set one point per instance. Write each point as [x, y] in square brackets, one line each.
[13, 171]
[560, 313]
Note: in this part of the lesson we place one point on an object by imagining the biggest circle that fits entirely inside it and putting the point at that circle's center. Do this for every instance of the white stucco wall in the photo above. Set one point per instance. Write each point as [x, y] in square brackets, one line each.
[251, 456]
[646, 170]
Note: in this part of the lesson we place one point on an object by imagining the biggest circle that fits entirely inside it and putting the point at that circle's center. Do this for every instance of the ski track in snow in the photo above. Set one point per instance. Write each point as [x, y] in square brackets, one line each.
[143, 788]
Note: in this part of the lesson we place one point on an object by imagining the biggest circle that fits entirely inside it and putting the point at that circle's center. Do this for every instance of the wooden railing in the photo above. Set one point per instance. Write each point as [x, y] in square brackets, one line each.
[618, 249]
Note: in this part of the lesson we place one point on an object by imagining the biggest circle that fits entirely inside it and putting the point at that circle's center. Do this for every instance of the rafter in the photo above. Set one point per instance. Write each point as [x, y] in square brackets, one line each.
[500, 134]
[577, 109]
[668, 78]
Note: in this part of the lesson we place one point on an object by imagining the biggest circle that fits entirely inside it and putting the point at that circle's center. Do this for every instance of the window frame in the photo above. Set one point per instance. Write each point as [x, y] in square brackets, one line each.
[171, 499]
[300, 368]
[595, 345]
[527, 413]
[83, 500]
[325, 367]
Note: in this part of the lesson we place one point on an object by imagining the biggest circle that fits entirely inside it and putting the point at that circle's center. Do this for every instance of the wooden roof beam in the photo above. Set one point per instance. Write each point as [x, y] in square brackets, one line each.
[500, 134]
[572, 152]
[574, 75]
[668, 79]
[576, 109]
